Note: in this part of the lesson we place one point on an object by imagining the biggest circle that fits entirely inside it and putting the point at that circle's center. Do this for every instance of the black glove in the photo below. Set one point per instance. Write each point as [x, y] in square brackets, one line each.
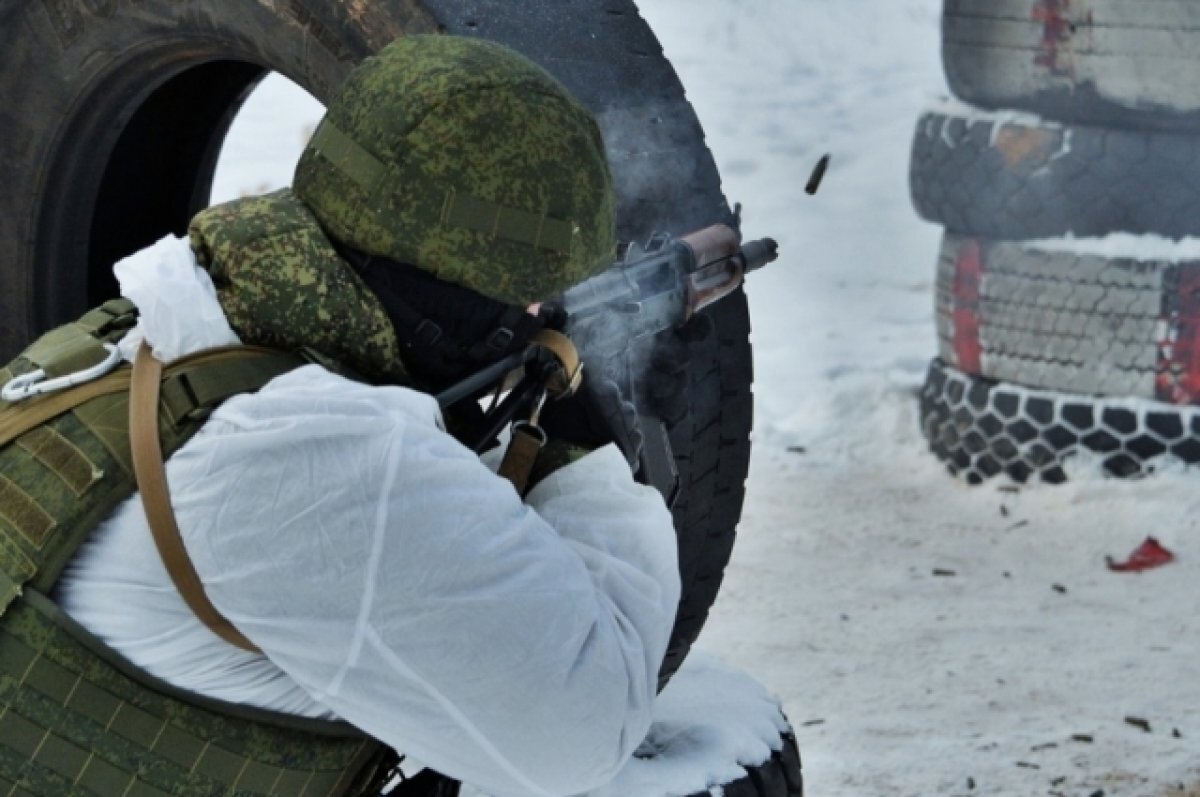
[603, 398]
[664, 384]
[595, 416]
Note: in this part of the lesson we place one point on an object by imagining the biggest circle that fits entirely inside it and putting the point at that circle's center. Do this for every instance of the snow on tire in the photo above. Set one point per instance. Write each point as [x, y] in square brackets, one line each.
[1067, 321]
[1115, 63]
[1015, 178]
[94, 91]
[716, 733]
[981, 428]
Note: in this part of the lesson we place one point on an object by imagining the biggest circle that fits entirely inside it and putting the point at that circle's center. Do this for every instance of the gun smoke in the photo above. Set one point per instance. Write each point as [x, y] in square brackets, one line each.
[662, 171]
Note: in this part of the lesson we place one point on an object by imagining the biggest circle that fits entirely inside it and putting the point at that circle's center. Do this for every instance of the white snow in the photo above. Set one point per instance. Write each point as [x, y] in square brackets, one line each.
[709, 717]
[953, 106]
[1015, 675]
[265, 140]
[1123, 245]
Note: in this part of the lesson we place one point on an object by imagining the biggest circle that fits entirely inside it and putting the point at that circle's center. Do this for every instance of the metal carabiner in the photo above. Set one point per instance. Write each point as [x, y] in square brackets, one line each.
[35, 383]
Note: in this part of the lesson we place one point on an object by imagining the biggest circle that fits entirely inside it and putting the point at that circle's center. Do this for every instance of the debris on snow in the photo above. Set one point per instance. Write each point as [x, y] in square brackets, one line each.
[1138, 723]
[1149, 554]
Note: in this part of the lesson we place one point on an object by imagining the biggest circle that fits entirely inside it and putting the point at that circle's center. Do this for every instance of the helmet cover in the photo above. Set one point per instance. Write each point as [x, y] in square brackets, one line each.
[465, 159]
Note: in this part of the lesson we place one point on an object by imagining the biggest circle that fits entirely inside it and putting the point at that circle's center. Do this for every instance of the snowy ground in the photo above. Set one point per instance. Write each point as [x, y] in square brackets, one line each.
[1013, 675]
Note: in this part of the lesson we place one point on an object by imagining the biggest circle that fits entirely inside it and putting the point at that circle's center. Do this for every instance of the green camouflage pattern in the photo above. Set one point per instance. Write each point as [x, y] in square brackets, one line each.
[555, 455]
[282, 285]
[447, 117]
[89, 706]
[76, 718]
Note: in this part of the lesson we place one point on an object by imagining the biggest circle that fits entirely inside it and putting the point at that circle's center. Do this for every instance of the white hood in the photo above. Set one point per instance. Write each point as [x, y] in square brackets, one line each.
[179, 311]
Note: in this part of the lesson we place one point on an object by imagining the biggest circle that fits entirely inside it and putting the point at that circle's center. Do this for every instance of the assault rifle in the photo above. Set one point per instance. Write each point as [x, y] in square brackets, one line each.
[658, 287]
[615, 316]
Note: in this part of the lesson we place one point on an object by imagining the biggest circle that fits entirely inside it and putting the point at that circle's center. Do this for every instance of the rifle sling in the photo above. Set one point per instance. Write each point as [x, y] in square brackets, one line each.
[151, 478]
[17, 419]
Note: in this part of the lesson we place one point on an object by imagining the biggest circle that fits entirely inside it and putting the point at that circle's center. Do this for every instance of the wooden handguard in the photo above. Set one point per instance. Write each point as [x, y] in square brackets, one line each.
[571, 375]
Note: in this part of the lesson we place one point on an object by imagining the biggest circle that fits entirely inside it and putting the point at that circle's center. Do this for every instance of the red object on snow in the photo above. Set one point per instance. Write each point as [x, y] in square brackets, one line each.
[1148, 555]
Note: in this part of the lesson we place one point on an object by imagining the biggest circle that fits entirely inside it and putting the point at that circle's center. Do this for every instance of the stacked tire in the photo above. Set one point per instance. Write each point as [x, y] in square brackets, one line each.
[1072, 120]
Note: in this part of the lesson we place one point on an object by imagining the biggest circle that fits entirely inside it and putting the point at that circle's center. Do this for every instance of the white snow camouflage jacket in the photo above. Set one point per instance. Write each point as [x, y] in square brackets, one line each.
[388, 575]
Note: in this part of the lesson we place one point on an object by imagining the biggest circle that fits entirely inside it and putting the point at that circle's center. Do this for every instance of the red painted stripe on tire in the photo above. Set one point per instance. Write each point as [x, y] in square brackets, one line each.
[968, 276]
[1056, 32]
[1178, 380]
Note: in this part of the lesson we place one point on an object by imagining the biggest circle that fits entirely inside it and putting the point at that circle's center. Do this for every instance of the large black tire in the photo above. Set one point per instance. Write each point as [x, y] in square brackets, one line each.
[1112, 63]
[1073, 322]
[114, 113]
[1007, 179]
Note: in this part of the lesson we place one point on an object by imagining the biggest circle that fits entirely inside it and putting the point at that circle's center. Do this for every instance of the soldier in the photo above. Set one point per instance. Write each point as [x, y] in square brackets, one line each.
[337, 555]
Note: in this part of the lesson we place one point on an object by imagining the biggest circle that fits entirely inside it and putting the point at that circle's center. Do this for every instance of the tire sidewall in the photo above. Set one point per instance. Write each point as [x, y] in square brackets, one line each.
[1086, 63]
[73, 72]
[76, 72]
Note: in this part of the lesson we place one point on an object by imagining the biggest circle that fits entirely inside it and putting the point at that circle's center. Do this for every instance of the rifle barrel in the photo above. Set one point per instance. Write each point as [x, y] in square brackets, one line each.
[759, 253]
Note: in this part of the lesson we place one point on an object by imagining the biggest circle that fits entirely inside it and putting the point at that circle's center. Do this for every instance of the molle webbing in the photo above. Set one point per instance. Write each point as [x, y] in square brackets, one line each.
[77, 345]
[75, 717]
[69, 455]
[74, 724]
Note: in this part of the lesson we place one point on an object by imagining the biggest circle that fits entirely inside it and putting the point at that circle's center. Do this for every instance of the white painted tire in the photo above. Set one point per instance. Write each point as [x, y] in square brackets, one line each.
[1062, 320]
[1120, 63]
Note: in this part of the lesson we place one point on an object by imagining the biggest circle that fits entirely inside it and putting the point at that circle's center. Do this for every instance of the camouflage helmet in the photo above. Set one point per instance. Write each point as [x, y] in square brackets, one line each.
[468, 161]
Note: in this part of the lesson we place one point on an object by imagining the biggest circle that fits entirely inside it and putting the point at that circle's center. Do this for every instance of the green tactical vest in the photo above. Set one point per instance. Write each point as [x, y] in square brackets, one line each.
[75, 717]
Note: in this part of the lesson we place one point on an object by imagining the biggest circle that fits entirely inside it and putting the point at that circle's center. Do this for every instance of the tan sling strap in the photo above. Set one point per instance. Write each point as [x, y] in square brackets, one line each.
[568, 379]
[16, 420]
[156, 497]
